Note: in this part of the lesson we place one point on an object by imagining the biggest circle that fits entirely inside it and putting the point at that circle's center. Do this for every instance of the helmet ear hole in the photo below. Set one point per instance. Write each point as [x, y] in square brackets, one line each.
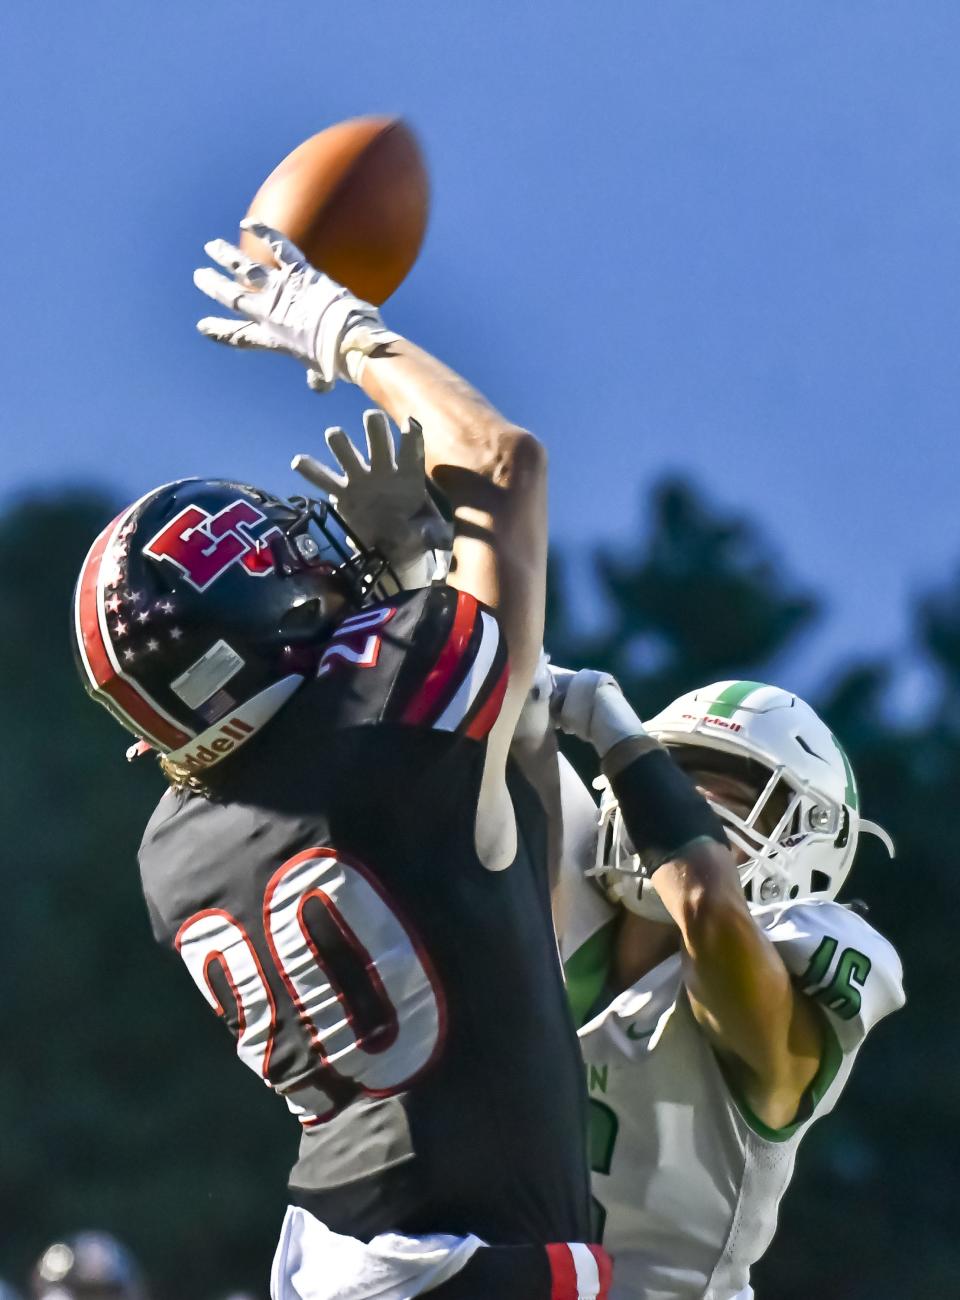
[795, 821]
[819, 881]
[794, 891]
[843, 835]
[304, 621]
[608, 841]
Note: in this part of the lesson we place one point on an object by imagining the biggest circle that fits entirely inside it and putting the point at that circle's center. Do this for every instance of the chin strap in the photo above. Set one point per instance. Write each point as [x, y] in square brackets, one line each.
[872, 828]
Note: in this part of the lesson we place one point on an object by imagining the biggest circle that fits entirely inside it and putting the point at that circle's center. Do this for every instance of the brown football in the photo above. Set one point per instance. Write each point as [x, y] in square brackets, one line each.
[355, 198]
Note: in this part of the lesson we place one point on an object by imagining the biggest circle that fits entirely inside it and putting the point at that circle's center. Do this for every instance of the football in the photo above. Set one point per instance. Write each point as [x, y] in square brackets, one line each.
[355, 198]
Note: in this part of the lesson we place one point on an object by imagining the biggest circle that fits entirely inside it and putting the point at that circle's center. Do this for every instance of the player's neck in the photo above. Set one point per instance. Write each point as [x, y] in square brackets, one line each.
[641, 945]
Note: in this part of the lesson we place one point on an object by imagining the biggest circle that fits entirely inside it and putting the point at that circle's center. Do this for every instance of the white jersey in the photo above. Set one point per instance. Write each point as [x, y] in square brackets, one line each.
[313, 1263]
[686, 1182]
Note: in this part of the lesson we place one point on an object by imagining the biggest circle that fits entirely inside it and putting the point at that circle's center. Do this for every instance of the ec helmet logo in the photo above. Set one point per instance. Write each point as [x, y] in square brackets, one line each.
[204, 546]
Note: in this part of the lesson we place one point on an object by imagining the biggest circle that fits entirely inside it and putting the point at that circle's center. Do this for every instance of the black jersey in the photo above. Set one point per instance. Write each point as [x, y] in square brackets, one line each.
[407, 1002]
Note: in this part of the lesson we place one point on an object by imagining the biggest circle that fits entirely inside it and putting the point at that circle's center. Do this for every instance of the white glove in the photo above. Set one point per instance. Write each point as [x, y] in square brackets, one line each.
[591, 706]
[384, 500]
[638, 894]
[291, 308]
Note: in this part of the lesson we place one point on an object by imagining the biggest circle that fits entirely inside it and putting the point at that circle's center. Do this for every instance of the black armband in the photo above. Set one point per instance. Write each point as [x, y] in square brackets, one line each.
[662, 809]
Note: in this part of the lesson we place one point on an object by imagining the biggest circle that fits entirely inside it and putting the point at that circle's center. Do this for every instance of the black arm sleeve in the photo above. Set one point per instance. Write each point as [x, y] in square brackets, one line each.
[662, 809]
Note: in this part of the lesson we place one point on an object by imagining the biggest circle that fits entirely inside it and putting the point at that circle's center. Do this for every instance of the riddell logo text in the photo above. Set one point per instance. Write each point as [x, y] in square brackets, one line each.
[228, 736]
[711, 721]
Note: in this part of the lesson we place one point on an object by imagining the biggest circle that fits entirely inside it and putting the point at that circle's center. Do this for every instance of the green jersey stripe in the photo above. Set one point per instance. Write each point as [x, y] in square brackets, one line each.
[586, 971]
[728, 701]
[830, 1061]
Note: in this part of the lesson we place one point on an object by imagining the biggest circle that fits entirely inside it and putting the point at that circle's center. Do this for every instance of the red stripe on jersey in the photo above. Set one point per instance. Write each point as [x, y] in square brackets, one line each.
[604, 1268]
[123, 692]
[563, 1271]
[489, 711]
[438, 680]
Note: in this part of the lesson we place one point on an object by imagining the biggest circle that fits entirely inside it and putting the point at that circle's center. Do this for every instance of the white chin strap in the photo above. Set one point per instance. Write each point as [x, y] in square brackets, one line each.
[622, 879]
[871, 828]
[649, 904]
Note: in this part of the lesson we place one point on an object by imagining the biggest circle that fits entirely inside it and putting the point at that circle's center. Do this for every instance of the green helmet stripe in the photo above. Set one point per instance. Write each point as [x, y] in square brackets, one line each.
[728, 701]
[850, 795]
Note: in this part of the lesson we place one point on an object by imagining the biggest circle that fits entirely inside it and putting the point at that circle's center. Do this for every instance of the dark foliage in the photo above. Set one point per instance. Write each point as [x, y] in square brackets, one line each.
[122, 1105]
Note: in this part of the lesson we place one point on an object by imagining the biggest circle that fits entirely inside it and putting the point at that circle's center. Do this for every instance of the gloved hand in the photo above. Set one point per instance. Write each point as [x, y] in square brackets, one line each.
[291, 308]
[590, 705]
[384, 500]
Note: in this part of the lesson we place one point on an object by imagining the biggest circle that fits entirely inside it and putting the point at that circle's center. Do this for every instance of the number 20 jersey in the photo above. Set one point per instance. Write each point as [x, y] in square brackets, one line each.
[408, 1003]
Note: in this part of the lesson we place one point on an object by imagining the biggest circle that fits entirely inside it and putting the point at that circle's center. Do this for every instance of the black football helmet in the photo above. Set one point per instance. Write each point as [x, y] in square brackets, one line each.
[204, 605]
[87, 1266]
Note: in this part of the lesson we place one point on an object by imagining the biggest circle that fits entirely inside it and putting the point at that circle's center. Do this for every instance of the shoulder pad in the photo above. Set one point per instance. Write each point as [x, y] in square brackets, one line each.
[840, 960]
[433, 658]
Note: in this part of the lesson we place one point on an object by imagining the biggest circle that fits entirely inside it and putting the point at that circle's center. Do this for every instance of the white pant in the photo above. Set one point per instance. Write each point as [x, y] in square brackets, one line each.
[313, 1263]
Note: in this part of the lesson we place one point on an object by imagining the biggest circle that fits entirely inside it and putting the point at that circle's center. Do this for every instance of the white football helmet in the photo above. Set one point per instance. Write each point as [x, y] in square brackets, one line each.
[801, 834]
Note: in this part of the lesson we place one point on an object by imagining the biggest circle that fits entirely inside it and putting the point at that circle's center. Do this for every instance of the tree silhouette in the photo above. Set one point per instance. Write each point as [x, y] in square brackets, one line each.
[702, 600]
[122, 1104]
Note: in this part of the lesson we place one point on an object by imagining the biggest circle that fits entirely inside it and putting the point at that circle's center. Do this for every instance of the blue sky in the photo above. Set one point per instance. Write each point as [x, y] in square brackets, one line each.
[714, 237]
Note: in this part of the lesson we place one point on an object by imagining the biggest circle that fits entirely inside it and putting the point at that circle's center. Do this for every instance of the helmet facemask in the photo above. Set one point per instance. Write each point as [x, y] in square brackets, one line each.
[798, 823]
[317, 539]
[785, 826]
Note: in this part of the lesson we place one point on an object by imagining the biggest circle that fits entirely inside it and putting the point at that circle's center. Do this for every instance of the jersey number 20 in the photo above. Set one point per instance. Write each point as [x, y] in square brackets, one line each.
[368, 1001]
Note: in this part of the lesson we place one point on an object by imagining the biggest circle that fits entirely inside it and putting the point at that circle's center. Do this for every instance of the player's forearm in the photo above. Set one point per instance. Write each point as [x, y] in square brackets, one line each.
[732, 969]
[681, 840]
[461, 428]
[739, 988]
[665, 815]
[701, 890]
[494, 474]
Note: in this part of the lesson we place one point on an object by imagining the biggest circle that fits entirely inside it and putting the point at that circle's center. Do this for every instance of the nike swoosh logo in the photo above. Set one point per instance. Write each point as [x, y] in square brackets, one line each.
[636, 1035]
